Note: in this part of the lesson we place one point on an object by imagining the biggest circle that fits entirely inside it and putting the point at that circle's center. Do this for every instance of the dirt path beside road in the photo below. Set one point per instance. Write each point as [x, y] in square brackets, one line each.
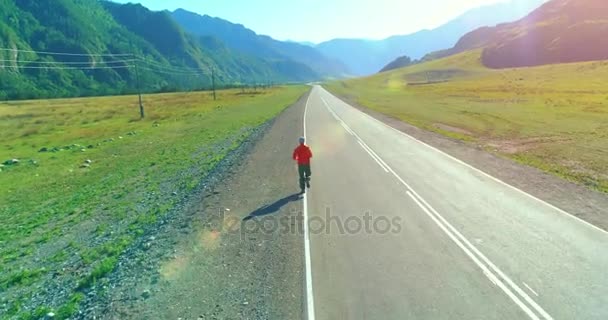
[241, 255]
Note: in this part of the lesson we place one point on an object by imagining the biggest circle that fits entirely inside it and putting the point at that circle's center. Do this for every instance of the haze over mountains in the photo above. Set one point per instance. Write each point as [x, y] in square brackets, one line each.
[560, 31]
[364, 57]
[180, 50]
[240, 38]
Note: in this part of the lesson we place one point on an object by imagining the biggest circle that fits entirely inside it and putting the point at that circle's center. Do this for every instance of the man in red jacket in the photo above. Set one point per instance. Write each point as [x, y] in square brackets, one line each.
[302, 155]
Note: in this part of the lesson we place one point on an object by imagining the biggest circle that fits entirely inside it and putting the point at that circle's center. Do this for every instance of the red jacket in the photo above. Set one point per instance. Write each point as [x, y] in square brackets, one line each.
[302, 154]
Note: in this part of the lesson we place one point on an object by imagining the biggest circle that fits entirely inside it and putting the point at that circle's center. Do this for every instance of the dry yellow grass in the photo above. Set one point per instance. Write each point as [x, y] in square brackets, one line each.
[553, 117]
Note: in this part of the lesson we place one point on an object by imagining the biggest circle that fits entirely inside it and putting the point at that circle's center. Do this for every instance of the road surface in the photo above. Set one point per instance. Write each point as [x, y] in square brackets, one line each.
[425, 236]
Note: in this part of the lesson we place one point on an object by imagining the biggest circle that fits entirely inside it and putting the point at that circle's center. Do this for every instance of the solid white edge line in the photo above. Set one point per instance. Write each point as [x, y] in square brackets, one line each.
[477, 170]
[482, 256]
[483, 267]
[372, 156]
[310, 301]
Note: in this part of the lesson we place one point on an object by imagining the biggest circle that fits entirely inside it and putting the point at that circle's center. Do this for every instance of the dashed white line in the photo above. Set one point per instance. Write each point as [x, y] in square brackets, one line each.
[372, 155]
[488, 268]
[530, 288]
[347, 128]
[491, 276]
[479, 171]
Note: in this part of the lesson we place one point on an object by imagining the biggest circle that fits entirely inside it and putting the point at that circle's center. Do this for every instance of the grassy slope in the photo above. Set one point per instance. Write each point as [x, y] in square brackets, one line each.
[54, 211]
[552, 117]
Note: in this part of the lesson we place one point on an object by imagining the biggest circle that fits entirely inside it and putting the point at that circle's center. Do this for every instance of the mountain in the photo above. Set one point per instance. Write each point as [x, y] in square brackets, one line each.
[238, 37]
[560, 31]
[364, 57]
[100, 37]
[400, 62]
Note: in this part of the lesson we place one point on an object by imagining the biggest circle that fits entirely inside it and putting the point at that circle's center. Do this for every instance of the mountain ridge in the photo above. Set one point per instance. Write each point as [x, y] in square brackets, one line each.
[559, 31]
[365, 57]
[238, 37]
[169, 58]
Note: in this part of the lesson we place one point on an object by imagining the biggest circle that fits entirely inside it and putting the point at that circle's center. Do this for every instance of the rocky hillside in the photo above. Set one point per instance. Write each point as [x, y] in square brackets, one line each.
[64, 48]
[560, 31]
[242, 39]
[365, 57]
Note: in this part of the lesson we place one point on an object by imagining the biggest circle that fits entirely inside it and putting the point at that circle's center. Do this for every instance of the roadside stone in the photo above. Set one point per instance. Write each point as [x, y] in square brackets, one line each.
[146, 294]
[88, 161]
[83, 150]
[85, 165]
[174, 193]
[147, 246]
[50, 315]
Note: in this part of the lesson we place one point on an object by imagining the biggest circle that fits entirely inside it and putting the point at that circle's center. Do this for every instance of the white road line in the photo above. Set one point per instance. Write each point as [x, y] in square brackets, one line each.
[508, 280]
[346, 128]
[479, 170]
[457, 237]
[529, 288]
[371, 155]
[483, 267]
[310, 301]
[361, 142]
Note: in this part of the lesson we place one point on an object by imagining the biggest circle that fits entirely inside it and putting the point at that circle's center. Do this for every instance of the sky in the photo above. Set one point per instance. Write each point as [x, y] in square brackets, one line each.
[321, 20]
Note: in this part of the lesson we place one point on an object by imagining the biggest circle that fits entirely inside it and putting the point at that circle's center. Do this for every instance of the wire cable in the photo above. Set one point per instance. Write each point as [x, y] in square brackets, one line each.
[70, 62]
[74, 68]
[171, 68]
[70, 54]
[173, 72]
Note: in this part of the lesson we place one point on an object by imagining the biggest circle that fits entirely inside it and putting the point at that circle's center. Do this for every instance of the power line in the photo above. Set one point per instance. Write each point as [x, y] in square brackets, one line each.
[74, 68]
[70, 62]
[70, 54]
[151, 64]
[174, 72]
[171, 68]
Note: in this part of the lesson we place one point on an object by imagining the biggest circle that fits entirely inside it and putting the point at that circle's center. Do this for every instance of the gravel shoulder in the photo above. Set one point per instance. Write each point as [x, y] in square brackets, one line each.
[586, 204]
[233, 250]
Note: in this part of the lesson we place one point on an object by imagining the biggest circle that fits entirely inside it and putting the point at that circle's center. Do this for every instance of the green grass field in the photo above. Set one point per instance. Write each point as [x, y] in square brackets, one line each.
[552, 117]
[57, 209]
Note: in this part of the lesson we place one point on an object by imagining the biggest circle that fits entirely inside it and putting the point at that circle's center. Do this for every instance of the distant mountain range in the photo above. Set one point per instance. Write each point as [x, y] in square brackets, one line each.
[560, 31]
[238, 37]
[364, 57]
[63, 48]
[179, 50]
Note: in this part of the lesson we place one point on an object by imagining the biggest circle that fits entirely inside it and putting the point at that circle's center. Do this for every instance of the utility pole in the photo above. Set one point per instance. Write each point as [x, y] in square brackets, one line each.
[213, 81]
[141, 105]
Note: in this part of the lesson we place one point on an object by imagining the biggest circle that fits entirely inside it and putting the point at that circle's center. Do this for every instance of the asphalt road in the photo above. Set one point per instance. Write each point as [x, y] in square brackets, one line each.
[425, 236]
